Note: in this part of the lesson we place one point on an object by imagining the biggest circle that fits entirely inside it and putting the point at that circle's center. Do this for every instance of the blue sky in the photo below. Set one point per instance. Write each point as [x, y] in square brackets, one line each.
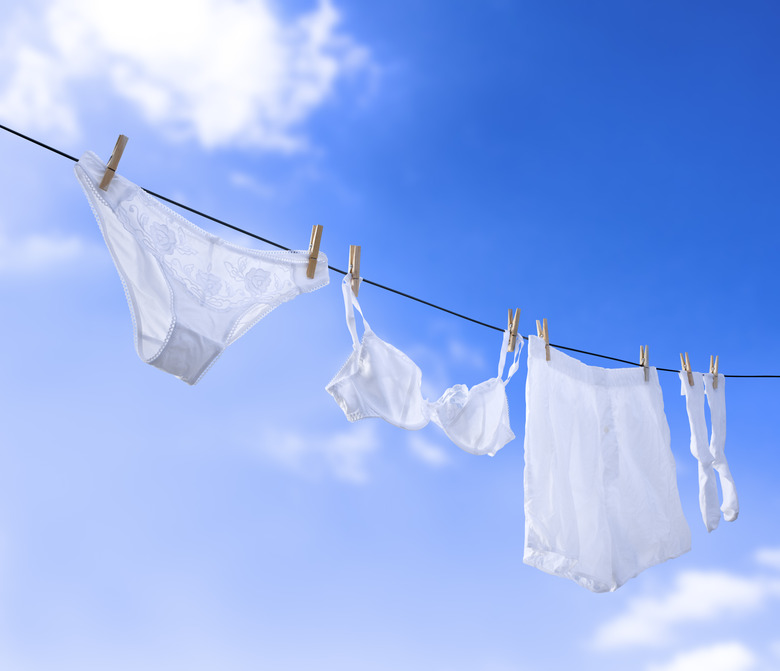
[610, 166]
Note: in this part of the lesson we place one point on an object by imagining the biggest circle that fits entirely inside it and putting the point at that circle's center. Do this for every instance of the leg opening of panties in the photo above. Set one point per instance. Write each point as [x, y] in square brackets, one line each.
[187, 355]
[191, 293]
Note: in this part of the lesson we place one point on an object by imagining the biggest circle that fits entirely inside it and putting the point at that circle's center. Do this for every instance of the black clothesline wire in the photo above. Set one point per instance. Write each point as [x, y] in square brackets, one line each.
[343, 272]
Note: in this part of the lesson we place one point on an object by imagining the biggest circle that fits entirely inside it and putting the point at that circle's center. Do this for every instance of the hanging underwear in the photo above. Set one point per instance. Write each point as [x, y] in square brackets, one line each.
[379, 380]
[600, 484]
[710, 455]
[191, 293]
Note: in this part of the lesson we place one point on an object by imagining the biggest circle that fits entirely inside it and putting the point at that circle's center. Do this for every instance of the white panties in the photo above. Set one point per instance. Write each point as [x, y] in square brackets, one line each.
[191, 293]
[601, 499]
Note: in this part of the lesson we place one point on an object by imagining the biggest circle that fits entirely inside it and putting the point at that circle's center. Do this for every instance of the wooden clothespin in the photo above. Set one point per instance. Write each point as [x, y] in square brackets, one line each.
[314, 250]
[113, 162]
[714, 371]
[512, 324]
[541, 331]
[354, 267]
[644, 360]
[686, 366]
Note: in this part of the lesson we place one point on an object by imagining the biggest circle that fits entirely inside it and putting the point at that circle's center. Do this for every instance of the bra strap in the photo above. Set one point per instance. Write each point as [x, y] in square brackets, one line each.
[351, 302]
[502, 359]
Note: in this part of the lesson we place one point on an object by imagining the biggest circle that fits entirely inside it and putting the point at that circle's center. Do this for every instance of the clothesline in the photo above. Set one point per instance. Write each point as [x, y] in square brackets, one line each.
[597, 442]
[364, 280]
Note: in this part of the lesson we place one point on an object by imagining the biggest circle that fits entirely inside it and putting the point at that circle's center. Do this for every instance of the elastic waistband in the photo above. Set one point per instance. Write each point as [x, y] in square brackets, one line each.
[592, 375]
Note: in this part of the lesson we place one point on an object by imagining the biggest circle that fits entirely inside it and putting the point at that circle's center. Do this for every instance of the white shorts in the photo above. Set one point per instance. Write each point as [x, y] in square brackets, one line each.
[601, 499]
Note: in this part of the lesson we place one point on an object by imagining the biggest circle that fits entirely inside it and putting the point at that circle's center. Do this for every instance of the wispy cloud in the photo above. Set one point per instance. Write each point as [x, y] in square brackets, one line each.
[242, 180]
[427, 451]
[697, 596]
[463, 353]
[438, 363]
[342, 455]
[732, 656]
[37, 253]
[35, 96]
[769, 557]
[226, 72]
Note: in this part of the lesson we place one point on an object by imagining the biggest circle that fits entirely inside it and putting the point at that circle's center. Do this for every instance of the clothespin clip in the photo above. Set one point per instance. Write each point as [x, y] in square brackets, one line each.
[541, 331]
[644, 360]
[113, 162]
[314, 250]
[512, 324]
[714, 371]
[686, 366]
[354, 267]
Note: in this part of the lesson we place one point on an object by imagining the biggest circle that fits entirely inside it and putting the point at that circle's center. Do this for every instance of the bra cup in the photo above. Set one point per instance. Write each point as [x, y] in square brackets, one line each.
[387, 383]
[476, 419]
[391, 384]
[344, 391]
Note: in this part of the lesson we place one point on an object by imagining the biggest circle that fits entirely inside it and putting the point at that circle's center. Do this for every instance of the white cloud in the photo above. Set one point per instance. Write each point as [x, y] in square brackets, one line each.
[719, 657]
[38, 253]
[466, 354]
[697, 596]
[437, 362]
[35, 95]
[769, 557]
[343, 455]
[242, 180]
[427, 451]
[227, 72]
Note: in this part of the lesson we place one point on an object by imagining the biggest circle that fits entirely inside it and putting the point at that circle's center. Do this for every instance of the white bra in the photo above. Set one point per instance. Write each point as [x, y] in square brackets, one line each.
[379, 380]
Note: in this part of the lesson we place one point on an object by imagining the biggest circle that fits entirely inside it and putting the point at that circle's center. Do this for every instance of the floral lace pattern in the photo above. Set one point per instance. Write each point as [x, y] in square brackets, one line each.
[218, 275]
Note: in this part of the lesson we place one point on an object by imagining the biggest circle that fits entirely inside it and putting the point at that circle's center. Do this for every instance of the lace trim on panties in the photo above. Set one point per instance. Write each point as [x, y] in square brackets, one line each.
[242, 281]
[291, 256]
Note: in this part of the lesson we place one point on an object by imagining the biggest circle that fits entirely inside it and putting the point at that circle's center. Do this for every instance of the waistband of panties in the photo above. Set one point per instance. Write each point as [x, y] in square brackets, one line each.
[592, 375]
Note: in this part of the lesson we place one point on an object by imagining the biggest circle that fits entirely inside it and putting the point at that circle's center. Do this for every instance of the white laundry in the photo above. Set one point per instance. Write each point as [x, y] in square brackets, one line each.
[717, 400]
[710, 455]
[379, 380]
[601, 499]
[191, 293]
